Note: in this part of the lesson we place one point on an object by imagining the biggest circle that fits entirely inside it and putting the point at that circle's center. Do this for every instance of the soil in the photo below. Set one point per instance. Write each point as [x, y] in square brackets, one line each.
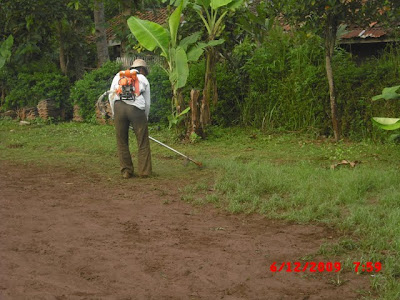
[71, 235]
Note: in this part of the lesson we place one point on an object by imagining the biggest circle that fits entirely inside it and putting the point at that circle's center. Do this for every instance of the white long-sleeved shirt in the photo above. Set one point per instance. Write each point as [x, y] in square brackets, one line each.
[142, 101]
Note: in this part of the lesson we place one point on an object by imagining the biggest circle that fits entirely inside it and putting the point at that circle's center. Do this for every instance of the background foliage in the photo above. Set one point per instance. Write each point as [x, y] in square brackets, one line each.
[161, 94]
[266, 78]
[268, 81]
[286, 86]
[86, 91]
[34, 82]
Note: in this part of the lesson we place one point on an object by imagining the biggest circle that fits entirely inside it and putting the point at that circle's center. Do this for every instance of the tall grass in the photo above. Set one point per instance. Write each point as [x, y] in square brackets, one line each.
[362, 203]
[287, 86]
[79, 146]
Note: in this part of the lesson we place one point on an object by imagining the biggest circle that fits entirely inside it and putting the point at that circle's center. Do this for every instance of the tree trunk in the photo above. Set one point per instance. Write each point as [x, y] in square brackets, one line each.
[101, 37]
[210, 93]
[178, 101]
[3, 96]
[77, 66]
[330, 40]
[128, 9]
[195, 124]
[63, 64]
[177, 106]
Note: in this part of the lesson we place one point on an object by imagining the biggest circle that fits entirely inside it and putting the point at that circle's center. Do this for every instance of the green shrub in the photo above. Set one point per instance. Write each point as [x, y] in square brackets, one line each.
[357, 84]
[34, 82]
[161, 95]
[86, 91]
[230, 95]
[226, 112]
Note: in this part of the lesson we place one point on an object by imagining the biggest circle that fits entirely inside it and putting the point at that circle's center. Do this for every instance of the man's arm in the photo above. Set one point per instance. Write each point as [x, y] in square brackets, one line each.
[146, 95]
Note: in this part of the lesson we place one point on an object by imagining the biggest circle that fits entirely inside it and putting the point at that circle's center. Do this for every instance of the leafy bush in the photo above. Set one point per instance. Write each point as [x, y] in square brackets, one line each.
[230, 94]
[36, 82]
[229, 84]
[357, 84]
[160, 93]
[86, 91]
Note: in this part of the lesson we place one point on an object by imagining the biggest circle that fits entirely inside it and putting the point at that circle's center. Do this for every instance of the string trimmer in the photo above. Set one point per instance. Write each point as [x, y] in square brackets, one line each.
[199, 164]
[101, 105]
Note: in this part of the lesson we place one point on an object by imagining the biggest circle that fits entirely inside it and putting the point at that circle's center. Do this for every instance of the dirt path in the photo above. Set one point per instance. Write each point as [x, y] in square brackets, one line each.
[65, 235]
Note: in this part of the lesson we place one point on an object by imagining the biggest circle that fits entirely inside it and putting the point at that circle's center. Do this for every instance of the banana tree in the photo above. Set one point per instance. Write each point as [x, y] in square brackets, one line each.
[212, 13]
[5, 50]
[178, 53]
[390, 93]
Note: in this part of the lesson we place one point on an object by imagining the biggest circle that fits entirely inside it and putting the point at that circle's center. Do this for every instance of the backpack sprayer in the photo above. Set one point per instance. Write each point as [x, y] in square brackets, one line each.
[128, 85]
[127, 90]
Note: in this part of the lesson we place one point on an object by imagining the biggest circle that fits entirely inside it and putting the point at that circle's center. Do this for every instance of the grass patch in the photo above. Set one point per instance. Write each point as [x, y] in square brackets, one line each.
[82, 146]
[283, 176]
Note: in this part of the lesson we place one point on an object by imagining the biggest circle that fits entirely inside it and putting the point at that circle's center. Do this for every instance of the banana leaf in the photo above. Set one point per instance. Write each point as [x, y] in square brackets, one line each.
[180, 71]
[5, 50]
[218, 3]
[387, 123]
[150, 35]
[389, 93]
[189, 40]
[174, 22]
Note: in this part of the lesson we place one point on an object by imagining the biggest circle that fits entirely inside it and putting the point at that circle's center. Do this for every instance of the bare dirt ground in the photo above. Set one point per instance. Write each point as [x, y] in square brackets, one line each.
[68, 235]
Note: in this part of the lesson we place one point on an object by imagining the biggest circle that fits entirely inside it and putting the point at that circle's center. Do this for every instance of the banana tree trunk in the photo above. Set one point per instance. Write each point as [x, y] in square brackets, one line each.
[178, 101]
[195, 124]
[210, 93]
[330, 40]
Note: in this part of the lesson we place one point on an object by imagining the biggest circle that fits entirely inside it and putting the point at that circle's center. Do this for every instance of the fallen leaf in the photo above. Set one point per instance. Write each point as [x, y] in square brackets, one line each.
[344, 163]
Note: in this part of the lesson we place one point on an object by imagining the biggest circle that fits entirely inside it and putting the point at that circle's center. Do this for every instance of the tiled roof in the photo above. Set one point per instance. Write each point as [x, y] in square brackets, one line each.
[159, 16]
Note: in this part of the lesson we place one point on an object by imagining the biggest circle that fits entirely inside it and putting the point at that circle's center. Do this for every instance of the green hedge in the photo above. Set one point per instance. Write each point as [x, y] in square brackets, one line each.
[226, 112]
[86, 91]
[34, 82]
[160, 94]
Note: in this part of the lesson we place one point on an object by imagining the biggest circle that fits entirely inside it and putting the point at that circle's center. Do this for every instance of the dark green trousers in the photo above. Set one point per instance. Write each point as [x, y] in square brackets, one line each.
[125, 115]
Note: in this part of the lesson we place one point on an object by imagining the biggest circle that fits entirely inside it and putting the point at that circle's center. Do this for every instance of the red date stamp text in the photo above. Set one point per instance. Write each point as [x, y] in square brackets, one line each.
[320, 267]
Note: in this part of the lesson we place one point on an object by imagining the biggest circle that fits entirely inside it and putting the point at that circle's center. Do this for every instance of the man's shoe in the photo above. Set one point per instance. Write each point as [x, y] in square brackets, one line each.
[126, 174]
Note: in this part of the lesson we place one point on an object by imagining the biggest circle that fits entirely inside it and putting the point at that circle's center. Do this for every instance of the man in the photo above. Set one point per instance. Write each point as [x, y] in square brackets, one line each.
[133, 112]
